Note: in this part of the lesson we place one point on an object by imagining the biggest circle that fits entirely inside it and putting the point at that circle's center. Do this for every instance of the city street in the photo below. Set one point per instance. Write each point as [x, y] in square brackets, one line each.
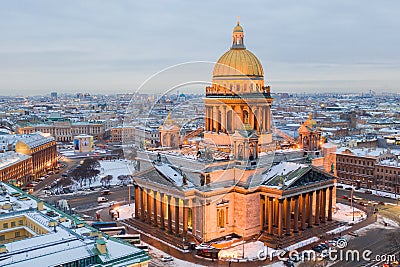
[86, 201]
[70, 164]
[343, 192]
[379, 241]
[390, 210]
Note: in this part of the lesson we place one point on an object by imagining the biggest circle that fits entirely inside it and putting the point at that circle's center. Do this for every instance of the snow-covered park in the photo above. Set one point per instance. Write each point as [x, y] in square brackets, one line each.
[114, 168]
[110, 173]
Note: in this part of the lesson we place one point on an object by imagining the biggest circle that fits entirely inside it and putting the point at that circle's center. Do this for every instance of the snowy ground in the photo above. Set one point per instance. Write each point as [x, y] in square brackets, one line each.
[251, 250]
[126, 211]
[114, 168]
[380, 223]
[157, 254]
[344, 213]
[374, 192]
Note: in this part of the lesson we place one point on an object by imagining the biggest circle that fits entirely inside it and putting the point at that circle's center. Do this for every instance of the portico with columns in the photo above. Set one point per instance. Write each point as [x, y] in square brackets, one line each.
[289, 214]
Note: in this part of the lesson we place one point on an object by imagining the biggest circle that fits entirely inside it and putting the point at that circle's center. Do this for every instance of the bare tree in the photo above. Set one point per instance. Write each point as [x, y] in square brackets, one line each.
[124, 179]
[106, 180]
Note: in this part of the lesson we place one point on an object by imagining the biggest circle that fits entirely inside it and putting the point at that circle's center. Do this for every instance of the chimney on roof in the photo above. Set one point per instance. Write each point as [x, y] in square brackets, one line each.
[40, 205]
[101, 245]
[3, 249]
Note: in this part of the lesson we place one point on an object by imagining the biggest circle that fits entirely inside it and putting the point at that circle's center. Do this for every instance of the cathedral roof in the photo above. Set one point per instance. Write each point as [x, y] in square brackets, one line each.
[169, 124]
[167, 175]
[238, 28]
[287, 175]
[238, 61]
[310, 125]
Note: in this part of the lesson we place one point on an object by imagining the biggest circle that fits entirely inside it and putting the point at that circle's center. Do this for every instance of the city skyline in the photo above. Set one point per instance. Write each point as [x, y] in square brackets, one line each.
[114, 47]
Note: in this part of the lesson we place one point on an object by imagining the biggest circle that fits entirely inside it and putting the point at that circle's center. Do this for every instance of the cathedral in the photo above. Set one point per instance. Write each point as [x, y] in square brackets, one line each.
[229, 184]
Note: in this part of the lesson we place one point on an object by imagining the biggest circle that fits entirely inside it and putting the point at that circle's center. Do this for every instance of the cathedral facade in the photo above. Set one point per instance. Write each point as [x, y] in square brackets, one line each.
[231, 186]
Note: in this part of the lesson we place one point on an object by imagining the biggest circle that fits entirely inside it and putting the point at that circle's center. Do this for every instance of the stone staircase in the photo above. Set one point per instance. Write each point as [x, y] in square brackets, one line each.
[156, 233]
[274, 241]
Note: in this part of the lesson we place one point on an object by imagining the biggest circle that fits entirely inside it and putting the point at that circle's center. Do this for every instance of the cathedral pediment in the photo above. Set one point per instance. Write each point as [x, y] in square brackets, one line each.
[166, 175]
[288, 175]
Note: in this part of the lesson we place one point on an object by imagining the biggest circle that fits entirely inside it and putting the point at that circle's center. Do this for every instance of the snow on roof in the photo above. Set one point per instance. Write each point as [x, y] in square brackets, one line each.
[389, 162]
[172, 174]
[34, 140]
[365, 152]
[329, 145]
[10, 158]
[285, 170]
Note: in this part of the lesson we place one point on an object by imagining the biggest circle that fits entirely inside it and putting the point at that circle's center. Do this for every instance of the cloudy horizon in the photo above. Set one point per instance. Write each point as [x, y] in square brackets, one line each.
[115, 46]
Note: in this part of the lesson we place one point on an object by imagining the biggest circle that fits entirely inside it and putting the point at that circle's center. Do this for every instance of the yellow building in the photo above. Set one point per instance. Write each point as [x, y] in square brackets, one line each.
[121, 134]
[33, 233]
[43, 151]
[15, 166]
[64, 130]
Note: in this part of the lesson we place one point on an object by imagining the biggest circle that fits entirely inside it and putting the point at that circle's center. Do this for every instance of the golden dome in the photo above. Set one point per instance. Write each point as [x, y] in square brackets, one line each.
[169, 120]
[238, 28]
[310, 120]
[238, 62]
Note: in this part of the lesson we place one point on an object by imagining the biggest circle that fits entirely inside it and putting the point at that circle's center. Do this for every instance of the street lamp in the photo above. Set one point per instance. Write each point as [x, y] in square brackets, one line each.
[352, 197]
[129, 194]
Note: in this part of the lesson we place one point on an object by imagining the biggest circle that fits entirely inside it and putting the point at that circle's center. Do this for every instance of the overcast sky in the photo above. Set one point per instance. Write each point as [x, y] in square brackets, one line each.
[114, 46]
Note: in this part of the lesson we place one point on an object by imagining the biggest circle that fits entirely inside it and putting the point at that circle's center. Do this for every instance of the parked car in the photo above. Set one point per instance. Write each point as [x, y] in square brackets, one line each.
[332, 242]
[325, 246]
[353, 234]
[288, 263]
[368, 192]
[166, 258]
[101, 199]
[295, 258]
[339, 186]
[318, 248]
[105, 192]
[349, 188]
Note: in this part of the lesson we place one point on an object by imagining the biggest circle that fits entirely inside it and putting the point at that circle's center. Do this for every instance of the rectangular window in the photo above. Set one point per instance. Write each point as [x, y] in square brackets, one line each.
[5, 225]
[17, 234]
[2, 237]
[227, 215]
[220, 218]
[12, 224]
